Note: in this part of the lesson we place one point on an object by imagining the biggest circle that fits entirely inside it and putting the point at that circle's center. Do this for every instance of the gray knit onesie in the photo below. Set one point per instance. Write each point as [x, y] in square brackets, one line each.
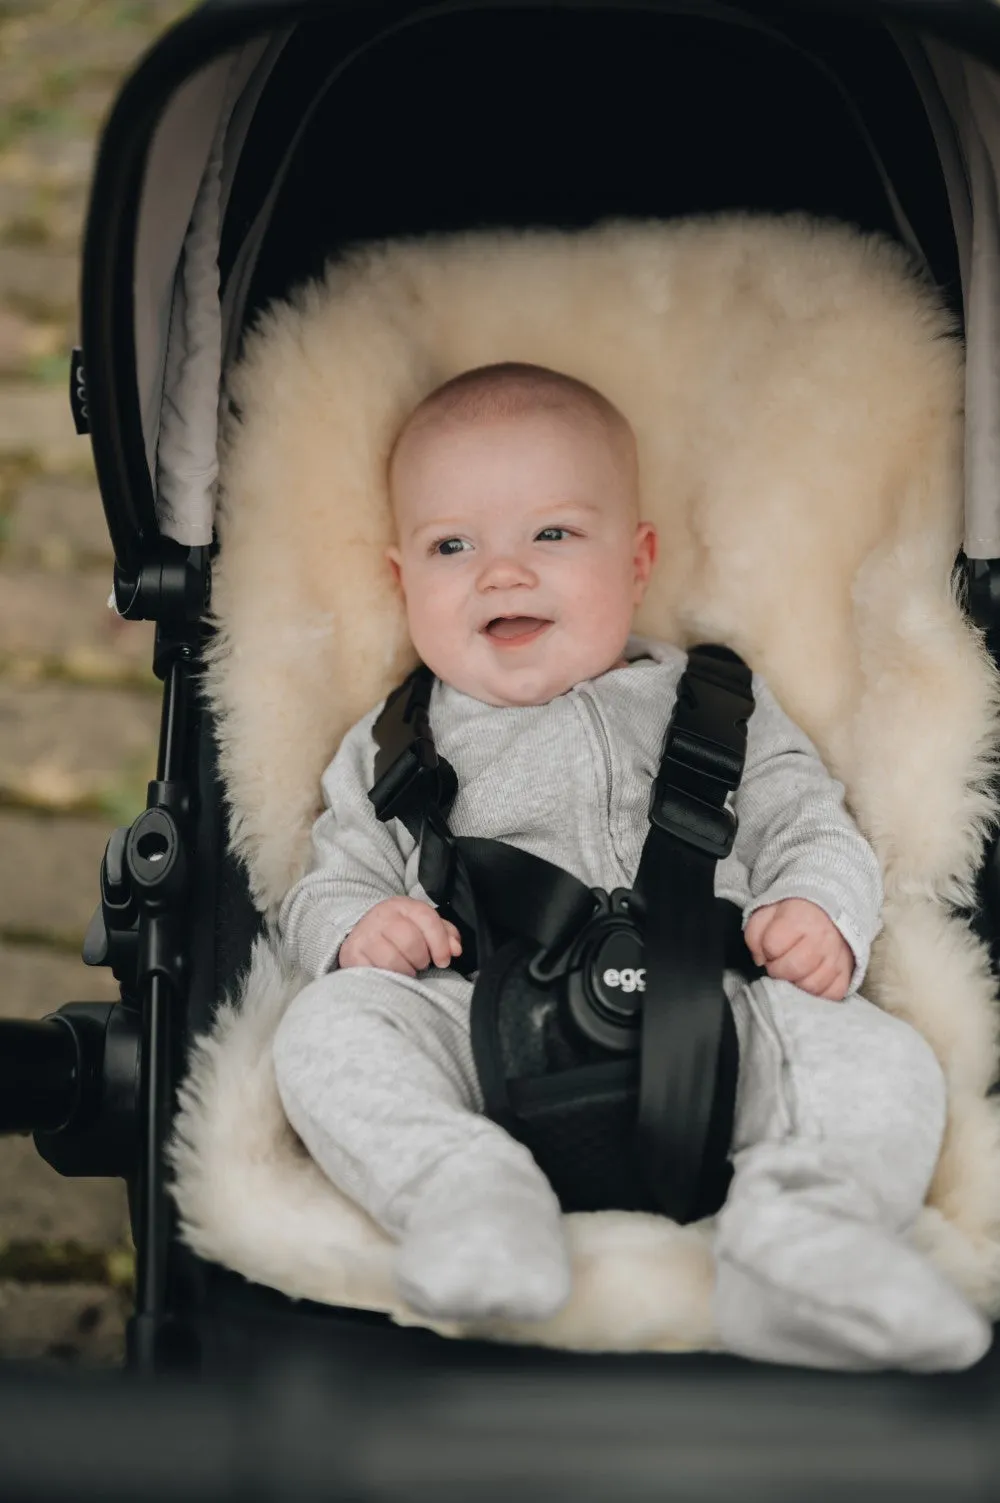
[840, 1107]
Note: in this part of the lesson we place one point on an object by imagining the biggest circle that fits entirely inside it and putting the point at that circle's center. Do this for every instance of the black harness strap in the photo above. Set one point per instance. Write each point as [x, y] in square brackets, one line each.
[416, 786]
[485, 887]
[689, 1052]
[526, 895]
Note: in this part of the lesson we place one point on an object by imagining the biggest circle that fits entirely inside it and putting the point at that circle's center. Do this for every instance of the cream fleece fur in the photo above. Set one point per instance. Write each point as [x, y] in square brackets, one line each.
[795, 393]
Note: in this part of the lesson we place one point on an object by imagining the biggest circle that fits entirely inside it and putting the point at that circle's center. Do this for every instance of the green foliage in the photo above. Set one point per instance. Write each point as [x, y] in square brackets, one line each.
[50, 370]
[66, 1263]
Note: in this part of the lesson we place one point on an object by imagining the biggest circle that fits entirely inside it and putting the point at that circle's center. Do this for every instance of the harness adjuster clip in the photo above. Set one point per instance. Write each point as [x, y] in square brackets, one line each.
[413, 782]
[707, 827]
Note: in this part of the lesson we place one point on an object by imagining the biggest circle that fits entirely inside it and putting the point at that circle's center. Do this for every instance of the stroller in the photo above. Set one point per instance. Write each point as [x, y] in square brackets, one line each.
[259, 139]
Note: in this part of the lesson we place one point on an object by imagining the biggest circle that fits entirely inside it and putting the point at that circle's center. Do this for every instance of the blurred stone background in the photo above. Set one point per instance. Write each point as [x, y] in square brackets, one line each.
[79, 708]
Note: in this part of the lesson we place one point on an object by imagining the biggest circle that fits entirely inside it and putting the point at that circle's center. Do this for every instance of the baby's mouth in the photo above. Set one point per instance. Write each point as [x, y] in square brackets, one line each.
[515, 628]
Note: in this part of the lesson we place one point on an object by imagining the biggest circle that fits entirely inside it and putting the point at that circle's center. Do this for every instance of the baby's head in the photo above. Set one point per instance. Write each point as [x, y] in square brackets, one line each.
[520, 552]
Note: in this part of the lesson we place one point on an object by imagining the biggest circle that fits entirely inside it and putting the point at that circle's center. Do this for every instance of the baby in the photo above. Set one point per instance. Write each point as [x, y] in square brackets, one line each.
[521, 557]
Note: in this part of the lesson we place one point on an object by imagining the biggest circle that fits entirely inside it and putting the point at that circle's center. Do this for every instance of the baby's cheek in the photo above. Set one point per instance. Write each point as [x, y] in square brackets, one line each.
[603, 611]
[433, 620]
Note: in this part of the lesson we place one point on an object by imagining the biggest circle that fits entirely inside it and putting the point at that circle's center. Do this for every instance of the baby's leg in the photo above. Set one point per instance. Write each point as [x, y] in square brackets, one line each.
[839, 1118]
[375, 1073]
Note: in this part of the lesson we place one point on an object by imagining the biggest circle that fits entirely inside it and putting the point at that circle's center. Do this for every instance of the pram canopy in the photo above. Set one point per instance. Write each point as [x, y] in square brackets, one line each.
[259, 137]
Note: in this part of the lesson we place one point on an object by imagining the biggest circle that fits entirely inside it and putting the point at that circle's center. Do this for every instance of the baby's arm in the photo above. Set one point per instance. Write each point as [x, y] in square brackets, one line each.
[357, 882]
[795, 837]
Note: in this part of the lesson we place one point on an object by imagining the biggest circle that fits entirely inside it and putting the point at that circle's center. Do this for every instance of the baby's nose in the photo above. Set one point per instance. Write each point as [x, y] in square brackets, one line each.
[502, 571]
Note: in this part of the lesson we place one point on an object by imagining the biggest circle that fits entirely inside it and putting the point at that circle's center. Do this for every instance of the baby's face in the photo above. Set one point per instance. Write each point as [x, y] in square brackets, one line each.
[519, 555]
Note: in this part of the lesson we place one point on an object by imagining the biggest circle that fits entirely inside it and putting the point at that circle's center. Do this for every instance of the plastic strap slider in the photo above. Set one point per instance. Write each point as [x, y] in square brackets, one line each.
[707, 827]
[408, 783]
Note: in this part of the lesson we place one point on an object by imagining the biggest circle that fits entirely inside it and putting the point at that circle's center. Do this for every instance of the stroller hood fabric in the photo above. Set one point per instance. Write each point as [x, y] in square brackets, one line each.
[796, 393]
[185, 334]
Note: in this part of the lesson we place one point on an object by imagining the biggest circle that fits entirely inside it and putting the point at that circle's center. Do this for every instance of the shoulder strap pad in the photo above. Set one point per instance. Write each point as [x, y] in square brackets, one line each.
[704, 751]
[410, 777]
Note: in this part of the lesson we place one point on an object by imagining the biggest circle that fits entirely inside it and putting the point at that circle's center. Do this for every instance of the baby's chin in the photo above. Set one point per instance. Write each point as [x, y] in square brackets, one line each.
[508, 695]
[513, 687]
[523, 699]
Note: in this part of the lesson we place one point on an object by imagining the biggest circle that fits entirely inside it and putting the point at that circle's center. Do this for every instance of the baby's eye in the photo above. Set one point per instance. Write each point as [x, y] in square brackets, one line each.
[546, 534]
[444, 548]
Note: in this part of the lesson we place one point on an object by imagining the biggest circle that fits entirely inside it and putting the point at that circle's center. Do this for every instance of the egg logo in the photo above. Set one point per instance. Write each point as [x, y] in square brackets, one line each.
[629, 978]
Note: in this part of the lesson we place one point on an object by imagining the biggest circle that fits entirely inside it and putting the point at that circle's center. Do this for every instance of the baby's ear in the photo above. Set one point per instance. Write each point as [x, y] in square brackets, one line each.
[395, 559]
[644, 551]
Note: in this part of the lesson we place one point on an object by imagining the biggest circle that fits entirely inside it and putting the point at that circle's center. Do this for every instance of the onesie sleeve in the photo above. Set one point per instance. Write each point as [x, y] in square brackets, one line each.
[795, 837]
[356, 860]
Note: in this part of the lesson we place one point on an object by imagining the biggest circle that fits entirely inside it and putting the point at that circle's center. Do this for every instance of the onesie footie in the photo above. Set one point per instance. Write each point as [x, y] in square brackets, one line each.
[803, 1279]
[484, 1241]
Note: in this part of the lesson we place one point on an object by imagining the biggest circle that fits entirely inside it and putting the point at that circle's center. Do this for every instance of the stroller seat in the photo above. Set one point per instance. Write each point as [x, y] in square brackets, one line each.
[795, 389]
[761, 231]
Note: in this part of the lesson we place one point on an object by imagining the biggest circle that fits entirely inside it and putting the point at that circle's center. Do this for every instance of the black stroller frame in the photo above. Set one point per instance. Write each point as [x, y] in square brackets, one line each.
[96, 1083]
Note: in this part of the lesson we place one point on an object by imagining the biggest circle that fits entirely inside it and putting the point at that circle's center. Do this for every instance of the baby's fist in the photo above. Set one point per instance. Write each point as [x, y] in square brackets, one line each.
[401, 934]
[796, 941]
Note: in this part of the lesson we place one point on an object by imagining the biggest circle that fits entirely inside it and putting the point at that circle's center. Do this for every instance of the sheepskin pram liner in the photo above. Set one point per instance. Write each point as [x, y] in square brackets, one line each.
[795, 392]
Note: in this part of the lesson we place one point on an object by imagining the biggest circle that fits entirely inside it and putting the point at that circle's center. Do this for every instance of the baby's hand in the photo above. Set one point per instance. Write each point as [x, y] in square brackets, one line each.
[401, 934]
[796, 941]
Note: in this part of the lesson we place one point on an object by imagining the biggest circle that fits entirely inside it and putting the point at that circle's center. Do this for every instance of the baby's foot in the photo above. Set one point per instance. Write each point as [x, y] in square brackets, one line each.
[485, 1242]
[846, 1295]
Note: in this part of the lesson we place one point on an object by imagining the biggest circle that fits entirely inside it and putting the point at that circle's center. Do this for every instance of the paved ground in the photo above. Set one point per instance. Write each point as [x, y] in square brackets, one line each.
[78, 706]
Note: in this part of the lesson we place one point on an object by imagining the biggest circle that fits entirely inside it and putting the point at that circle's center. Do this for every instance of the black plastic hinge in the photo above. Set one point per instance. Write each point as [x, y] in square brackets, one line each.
[78, 393]
[171, 587]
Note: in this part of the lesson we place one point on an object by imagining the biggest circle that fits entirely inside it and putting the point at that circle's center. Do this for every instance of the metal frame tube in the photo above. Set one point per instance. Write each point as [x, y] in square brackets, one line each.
[161, 1002]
